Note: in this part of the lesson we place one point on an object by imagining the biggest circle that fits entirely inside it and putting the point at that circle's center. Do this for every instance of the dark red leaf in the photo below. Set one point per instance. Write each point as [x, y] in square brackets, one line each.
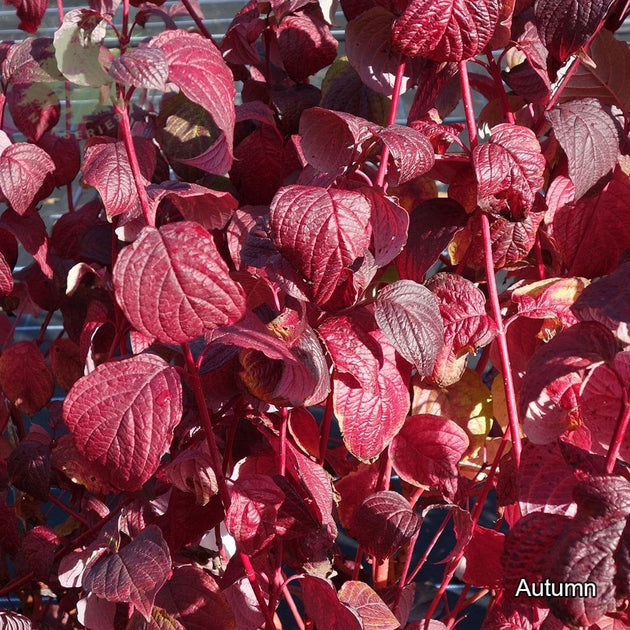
[141, 68]
[383, 523]
[408, 314]
[555, 370]
[432, 225]
[322, 605]
[483, 558]
[251, 517]
[448, 30]
[608, 301]
[566, 25]
[196, 66]
[372, 55]
[463, 309]
[106, 167]
[321, 233]
[122, 417]
[353, 488]
[39, 546]
[29, 465]
[25, 378]
[509, 169]
[372, 610]
[65, 154]
[390, 223]
[34, 108]
[591, 234]
[427, 450]
[177, 265]
[194, 599]
[6, 276]
[594, 549]
[306, 44]
[30, 13]
[134, 574]
[602, 403]
[589, 135]
[66, 362]
[23, 169]
[14, 621]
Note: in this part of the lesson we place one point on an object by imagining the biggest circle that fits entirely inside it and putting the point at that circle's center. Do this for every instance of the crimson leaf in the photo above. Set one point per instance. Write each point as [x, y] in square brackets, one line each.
[322, 605]
[23, 169]
[409, 315]
[122, 416]
[509, 169]
[373, 611]
[142, 68]
[427, 450]
[321, 233]
[410, 152]
[589, 136]
[133, 575]
[172, 283]
[30, 13]
[447, 30]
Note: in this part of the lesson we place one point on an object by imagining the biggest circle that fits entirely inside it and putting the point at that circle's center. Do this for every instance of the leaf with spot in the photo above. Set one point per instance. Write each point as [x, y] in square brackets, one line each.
[172, 283]
[122, 415]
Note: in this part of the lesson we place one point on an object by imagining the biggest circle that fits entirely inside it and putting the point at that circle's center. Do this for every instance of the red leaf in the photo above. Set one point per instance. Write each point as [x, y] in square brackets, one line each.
[556, 369]
[372, 610]
[39, 546]
[321, 233]
[447, 30]
[133, 575]
[122, 417]
[390, 224]
[463, 309]
[251, 517]
[25, 378]
[322, 605]
[177, 265]
[65, 154]
[306, 44]
[141, 68]
[353, 488]
[383, 523]
[589, 135]
[6, 276]
[30, 13]
[509, 170]
[483, 558]
[34, 108]
[28, 465]
[566, 25]
[23, 169]
[602, 402]
[432, 225]
[14, 621]
[427, 450]
[409, 316]
[196, 66]
[410, 152]
[370, 51]
[194, 599]
[106, 167]
[592, 233]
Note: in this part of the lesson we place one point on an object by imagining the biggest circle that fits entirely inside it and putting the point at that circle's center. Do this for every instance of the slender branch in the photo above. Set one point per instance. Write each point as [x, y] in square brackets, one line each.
[197, 20]
[68, 510]
[620, 431]
[495, 71]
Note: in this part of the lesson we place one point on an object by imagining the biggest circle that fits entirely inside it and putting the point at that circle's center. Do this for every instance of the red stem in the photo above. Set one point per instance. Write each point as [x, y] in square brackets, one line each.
[197, 20]
[325, 430]
[53, 499]
[122, 112]
[495, 71]
[620, 431]
[393, 109]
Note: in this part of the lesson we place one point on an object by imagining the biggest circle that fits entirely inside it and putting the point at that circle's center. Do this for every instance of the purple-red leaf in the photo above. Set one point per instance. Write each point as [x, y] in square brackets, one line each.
[25, 378]
[383, 523]
[28, 465]
[323, 606]
[193, 598]
[251, 517]
[432, 225]
[408, 314]
[371, 53]
[447, 30]
[30, 13]
[590, 137]
[566, 25]
[306, 44]
[592, 233]
[133, 575]
[65, 154]
[34, 108]
[372, 610]
[321, 233]
[23, 169]
[409, 151]
[509, 169]
[196, 66]
[14, 621]
[390, 223]
[427, 450]
[122, 417]
[172, 284]
[142, 68]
